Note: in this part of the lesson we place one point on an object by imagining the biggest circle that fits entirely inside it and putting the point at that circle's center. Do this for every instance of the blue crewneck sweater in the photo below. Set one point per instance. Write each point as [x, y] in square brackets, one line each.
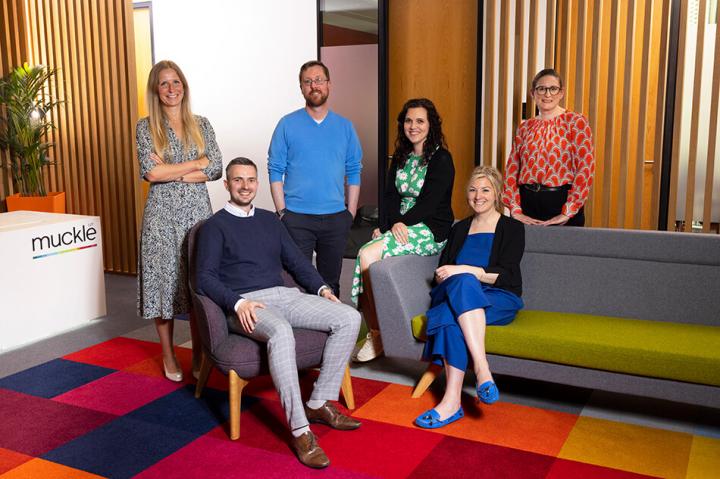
[237, 255]
[313, 161]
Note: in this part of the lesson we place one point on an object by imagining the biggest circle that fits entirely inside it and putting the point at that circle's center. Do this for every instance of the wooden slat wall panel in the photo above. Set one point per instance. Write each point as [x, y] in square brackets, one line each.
[432, 52]
[613, 56]
[91, 43]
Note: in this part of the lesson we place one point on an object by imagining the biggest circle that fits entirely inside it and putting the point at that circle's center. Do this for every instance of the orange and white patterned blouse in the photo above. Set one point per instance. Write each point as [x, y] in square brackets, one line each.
[552, 152]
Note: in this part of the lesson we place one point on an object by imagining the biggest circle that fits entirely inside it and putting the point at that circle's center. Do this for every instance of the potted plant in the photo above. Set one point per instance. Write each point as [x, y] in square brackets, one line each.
[25, 106]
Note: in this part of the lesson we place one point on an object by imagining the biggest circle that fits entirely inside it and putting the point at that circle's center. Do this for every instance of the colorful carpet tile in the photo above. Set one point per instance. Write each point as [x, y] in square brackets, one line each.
[107, 411]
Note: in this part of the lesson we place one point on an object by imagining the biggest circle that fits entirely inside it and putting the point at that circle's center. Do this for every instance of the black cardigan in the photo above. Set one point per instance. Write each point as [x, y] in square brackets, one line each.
[433, 206]
[507, 251]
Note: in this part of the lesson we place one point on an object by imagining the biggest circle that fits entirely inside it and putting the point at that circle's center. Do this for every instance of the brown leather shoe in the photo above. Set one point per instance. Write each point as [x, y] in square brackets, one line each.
[329, 415]
[309, 452]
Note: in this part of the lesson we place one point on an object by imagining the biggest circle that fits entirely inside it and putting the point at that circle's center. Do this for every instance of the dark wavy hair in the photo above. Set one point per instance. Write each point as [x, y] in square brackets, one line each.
[434, 140]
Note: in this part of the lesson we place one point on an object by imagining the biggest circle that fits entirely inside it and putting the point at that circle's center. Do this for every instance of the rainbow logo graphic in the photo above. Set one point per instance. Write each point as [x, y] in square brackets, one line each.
[64, 251]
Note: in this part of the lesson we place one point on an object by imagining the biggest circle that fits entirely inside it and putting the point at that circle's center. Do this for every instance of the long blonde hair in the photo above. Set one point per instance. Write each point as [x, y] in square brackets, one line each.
[156, 115]
[495, 179]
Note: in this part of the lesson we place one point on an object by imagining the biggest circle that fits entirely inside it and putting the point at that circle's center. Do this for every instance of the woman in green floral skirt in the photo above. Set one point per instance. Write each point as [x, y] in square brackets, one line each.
[418, 215]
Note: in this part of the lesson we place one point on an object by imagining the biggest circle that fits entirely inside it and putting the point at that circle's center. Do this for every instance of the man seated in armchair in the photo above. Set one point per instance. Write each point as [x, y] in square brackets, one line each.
[241, 252]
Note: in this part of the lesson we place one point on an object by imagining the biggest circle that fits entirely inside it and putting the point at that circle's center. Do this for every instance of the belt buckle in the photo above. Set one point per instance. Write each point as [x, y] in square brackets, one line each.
[534, 187]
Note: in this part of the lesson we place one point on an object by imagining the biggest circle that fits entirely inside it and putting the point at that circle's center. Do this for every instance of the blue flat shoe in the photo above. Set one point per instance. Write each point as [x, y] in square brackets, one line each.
[430, 419]
[487, 392]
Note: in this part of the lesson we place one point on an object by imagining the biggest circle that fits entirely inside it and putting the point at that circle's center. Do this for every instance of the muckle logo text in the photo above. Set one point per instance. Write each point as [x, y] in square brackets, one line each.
[75, 239]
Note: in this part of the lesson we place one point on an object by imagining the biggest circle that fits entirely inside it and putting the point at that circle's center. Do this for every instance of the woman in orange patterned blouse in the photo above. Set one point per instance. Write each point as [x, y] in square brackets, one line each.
[551, 165]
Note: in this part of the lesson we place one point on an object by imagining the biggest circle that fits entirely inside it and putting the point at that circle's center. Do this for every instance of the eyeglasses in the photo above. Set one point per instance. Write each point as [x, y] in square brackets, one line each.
[314, 81]
[544, 90]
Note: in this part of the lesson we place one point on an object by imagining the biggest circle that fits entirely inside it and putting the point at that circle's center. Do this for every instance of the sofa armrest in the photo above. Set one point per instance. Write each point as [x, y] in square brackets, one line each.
[401, 287]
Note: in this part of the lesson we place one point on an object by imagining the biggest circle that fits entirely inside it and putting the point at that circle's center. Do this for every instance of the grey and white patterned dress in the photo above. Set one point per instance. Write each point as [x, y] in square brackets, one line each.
[171, 210]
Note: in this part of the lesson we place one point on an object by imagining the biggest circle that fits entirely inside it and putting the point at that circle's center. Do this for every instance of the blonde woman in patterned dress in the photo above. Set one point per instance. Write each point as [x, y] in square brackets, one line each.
[177, 154]
[550, 168]
[418, 216]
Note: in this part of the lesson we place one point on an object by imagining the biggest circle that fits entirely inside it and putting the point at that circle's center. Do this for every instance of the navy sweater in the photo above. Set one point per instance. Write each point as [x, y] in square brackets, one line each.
[239, 255]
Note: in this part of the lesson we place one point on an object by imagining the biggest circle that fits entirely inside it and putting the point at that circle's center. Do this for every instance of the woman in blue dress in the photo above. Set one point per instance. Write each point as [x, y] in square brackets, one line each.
[478, 283]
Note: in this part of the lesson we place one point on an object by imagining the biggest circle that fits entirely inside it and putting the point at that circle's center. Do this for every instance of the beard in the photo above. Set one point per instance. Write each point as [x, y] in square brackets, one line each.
[316, 100]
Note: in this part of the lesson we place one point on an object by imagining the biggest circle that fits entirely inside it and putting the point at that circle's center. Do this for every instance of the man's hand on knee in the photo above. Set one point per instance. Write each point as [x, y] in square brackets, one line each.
[246, 314]
[328, 294]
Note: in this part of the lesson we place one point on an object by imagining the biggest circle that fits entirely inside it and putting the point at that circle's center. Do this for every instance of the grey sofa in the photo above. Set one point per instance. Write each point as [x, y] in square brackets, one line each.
[647, 275]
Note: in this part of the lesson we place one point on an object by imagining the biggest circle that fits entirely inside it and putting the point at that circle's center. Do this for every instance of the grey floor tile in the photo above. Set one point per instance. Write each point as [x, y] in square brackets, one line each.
[655, 413]
[392, 370]
[121, 318]
[540, 394]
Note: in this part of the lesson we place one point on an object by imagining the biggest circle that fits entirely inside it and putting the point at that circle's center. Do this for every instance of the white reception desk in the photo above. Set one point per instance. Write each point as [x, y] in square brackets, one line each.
[51, 275]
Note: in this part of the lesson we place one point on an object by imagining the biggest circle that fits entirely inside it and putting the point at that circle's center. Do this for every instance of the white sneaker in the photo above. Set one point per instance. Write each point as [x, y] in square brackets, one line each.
[370, 349]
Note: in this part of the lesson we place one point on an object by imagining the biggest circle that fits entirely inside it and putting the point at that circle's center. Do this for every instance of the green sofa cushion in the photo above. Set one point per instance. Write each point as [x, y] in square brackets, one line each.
[683, 352]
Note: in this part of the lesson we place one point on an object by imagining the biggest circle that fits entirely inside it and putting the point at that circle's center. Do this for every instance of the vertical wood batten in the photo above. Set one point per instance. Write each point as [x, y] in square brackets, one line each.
[489, 126]
[502, 122]
[625, 149]
[579, 82]
[533, 41]
[677, 121]
[566, 46]
[608, 168]
[695, 117]
[639, 162]
[594, 107]
[660, 111]
[713, 138]
[518, 95]
[550, 20]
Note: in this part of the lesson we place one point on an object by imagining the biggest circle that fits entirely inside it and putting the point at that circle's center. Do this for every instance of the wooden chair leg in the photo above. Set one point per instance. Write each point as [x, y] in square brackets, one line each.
[237, 384]
[347, 389]
[205, 368]
[426, 380]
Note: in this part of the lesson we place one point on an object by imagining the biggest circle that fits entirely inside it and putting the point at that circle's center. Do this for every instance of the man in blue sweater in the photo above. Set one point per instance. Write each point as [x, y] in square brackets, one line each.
[241, 252]
[312, 153]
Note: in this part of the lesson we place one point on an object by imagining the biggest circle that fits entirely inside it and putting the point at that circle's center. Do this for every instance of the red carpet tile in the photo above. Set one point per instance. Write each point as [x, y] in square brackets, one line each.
[564, 469]
[118, 393]
[378, 449]
[108, 425]
[117, 353]
[477, 460]
[224, 459]
[34, 426]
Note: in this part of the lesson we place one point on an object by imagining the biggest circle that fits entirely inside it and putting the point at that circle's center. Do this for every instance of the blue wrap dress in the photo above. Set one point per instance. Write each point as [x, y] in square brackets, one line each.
[459, 294]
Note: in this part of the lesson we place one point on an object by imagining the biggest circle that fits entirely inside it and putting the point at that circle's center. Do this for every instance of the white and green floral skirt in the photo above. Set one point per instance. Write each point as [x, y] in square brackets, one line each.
[421, 242]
